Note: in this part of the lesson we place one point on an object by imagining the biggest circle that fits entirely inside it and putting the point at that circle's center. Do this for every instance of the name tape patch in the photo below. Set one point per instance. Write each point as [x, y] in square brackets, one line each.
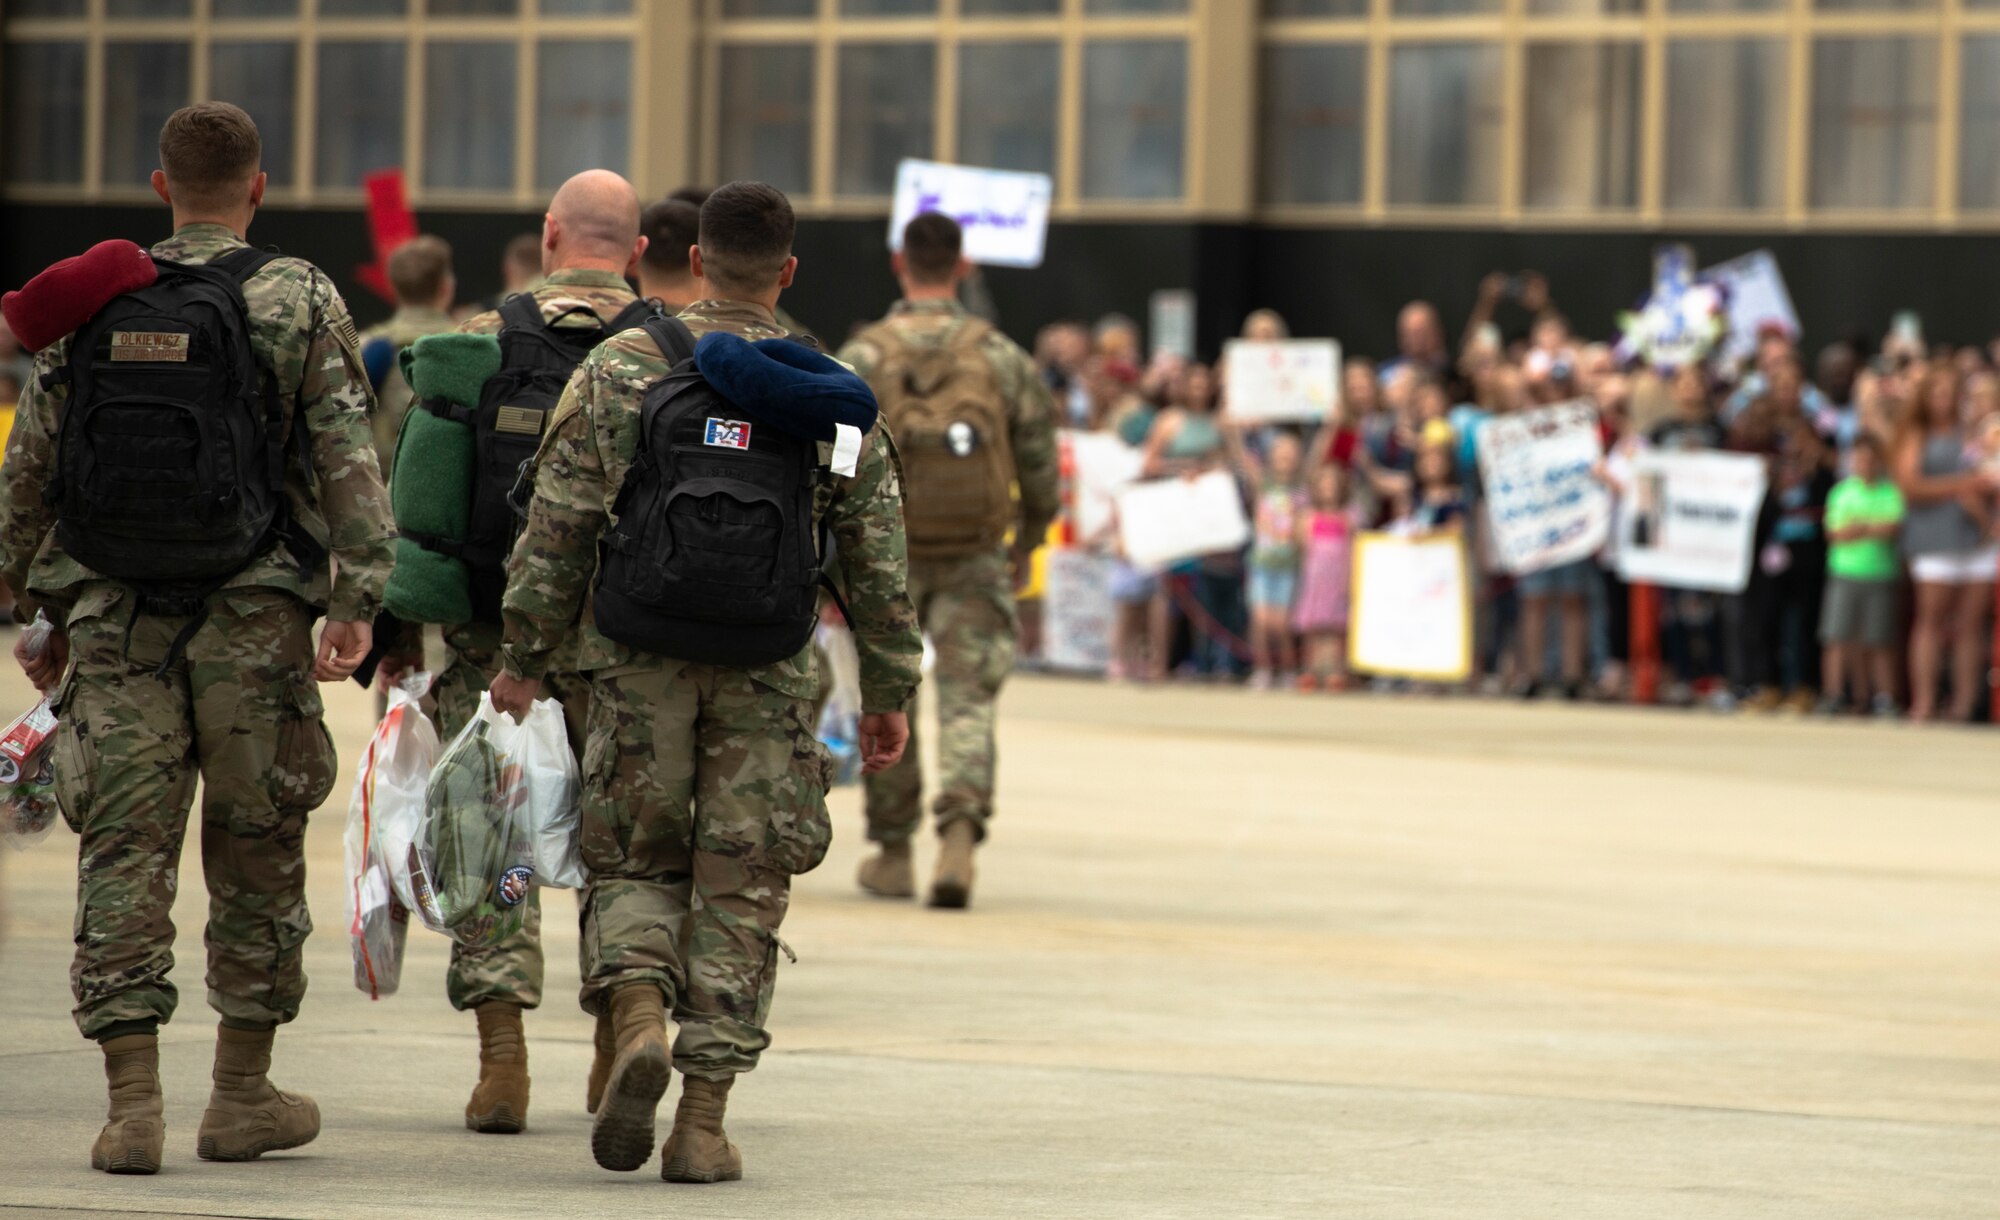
[727, 434]
[151, 346]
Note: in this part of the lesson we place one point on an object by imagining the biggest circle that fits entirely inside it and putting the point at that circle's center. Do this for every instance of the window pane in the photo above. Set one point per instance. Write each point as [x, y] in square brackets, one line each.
[1315, 8]
[149, 8]
[887, 8]
[1839, 6]
[1874, 122]
[1311, 123]
[261, 77]
[885, 112]
[256, 8]
[1008, 8]
[1585, 8]
[1979, 124]
[1444, 123]
[1726, 123]
[1582, 125]
[363, 8]
[585, 7]
[1134, 119]
[41, 84]
[1099, 7]
[1007, 104]
[47, 8]
[770, 8]
[359, 127]
[1440, 8]
[469, 115]
[583, 109]
[766, 134]
[1725, 6]
[473, 8]
[144, 82]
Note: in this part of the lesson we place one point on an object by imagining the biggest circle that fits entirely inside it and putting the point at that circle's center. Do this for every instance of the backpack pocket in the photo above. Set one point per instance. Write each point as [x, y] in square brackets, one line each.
[723, 535]
[147, 460]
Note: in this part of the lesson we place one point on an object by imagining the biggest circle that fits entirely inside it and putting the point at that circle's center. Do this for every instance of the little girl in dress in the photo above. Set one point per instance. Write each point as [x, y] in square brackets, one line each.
[1326, 542]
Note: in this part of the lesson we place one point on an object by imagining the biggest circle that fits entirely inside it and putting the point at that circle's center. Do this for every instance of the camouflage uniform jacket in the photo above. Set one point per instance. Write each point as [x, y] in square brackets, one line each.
[581, 468]
[392, 398]
[1031, 414]
[301, 329]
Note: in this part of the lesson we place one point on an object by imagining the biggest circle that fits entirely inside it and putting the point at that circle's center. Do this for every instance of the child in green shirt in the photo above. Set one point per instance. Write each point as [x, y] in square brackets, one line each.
[1857, 624]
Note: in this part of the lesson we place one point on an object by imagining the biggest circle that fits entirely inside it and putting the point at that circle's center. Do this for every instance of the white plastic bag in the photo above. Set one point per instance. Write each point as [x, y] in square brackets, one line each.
[539, 745]
[28, 808]
[386, 806]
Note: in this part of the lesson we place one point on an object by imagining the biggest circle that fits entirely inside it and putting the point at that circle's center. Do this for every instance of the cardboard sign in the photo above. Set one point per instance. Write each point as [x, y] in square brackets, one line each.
[1172, 317]
[1283, 380]
[1412, 608]
[1077, 612]
[1005, 215]
[1542, 495]
[1690, 520]
[1756, 295]
[1163, 522]
[1100, 465]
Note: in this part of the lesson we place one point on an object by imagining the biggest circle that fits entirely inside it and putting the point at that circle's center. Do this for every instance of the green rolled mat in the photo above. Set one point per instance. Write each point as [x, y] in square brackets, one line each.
[431, 491]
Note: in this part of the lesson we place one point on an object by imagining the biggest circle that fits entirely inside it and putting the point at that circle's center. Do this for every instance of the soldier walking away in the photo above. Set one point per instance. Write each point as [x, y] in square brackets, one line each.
[972, 421]
[420, 272]
[703, 785]
[590, 244]
[224, 412]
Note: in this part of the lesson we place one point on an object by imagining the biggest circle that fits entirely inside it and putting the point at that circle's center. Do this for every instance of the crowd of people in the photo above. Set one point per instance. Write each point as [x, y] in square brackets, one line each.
[1871, 587]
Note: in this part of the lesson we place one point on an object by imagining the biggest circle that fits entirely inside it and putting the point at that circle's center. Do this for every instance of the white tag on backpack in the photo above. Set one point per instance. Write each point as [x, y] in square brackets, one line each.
[846, 449]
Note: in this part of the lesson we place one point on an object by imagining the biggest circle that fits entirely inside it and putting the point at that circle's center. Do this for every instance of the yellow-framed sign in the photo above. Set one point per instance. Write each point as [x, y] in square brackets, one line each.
[1411, 615]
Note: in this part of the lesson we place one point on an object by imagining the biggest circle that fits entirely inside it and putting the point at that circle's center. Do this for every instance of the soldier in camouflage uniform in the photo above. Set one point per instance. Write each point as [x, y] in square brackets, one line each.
[420, 272]
[237, 708]
[703, 785]
[963, 582]
[591, 242]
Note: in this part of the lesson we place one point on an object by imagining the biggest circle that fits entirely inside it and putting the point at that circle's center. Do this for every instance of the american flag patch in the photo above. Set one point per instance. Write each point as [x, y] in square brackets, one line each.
[727, 434]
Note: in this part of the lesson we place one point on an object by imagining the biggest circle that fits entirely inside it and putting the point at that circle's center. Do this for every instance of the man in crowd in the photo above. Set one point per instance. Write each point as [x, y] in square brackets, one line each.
[420, 272]
[169, 684]
[704, 787]
[590, 243]
[1420, 344]
[973, 420]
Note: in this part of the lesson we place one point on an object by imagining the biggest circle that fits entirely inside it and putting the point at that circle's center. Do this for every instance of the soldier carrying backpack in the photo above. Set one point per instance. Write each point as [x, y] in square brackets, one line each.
[180, 472]
[973, 422]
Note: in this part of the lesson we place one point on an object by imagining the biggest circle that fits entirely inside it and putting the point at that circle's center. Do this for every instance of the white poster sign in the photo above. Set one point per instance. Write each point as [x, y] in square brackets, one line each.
[1077, 611]
[1282, 380]
[1543, 498]
[1099, 464]
[1005, 214]
[1163, 522]
[1412, 608]
[1690, 520]
[1172, 311]
[1756, 295]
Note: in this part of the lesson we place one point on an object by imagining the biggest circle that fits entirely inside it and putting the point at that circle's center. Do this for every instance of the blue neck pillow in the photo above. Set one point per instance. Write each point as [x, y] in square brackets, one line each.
[786, 385]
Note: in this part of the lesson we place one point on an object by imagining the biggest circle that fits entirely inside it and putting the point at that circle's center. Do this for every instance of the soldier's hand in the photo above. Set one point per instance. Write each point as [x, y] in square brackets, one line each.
[513, 695]
[1022, 563]
[883, 736]
[45, 669]
[394, 666]
[342, 648]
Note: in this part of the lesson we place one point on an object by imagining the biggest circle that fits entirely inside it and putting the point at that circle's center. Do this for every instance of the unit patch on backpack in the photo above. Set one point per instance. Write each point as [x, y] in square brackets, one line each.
[727, 434]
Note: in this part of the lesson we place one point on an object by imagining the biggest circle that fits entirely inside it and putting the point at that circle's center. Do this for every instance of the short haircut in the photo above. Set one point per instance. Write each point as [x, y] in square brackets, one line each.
[696, 195]
[418, 269]
[210, 151]
[746, 236]
[670, 227]
[525, 252]
[932, 243]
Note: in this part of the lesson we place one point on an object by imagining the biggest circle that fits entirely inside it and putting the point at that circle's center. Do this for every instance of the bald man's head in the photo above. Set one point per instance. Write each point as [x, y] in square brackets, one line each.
[593, 222]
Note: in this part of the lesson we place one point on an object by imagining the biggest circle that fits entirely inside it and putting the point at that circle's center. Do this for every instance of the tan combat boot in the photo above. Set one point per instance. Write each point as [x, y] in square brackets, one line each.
[247, 1116]
[888, 873]
[135, 1128]
[499, 1104]
[952, 887]
[606, 1040]
[621, 1138]
[698, 1150]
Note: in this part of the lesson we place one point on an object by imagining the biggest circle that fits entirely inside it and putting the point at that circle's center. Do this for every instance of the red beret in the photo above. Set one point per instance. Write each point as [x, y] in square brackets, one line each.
[68, 294]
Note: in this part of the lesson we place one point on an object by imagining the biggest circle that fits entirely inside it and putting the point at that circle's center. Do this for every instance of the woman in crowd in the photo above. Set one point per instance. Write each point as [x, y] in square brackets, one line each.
[1187, 440]
[1946, 536]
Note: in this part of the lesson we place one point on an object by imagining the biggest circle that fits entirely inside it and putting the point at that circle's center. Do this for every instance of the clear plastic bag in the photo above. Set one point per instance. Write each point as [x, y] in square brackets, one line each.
[839, 728]
[28, 807]
[386, 807]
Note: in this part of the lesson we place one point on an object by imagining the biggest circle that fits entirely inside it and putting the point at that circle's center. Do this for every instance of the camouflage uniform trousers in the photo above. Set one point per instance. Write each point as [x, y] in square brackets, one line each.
[704, 794]
[966, 607]
[240, 709]
[511, 969]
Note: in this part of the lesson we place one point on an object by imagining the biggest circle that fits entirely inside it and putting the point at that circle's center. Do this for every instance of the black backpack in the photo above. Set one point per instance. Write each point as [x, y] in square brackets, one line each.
[170, 456]
[537, 359]
[715, 558]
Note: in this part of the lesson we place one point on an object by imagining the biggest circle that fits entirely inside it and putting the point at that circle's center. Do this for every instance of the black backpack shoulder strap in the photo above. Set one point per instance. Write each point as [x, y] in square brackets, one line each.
[521, 311]
[675, 340]
[633, 316]
[240, 265]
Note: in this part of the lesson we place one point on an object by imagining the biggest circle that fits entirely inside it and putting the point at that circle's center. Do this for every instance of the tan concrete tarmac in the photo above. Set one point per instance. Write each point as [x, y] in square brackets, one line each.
[1230, 956]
